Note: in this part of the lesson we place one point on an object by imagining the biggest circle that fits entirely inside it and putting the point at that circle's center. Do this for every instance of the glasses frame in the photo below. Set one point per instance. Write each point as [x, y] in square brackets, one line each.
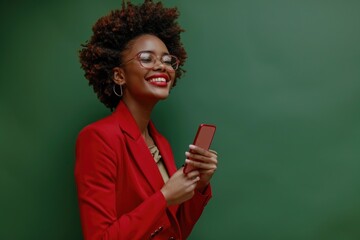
[170, 68]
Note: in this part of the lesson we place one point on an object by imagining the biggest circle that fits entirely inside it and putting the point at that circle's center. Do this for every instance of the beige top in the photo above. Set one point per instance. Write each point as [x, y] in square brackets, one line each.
[159, 162]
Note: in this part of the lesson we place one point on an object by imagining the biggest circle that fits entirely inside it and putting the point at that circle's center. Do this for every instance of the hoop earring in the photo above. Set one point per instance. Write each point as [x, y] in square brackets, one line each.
[121, 91]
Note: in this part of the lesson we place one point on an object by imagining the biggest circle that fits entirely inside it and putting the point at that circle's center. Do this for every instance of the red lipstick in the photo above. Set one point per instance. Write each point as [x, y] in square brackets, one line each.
[159, 79]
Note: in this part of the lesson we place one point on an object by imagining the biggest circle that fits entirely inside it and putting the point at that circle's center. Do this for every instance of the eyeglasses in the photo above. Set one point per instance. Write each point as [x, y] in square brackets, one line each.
[148, 60]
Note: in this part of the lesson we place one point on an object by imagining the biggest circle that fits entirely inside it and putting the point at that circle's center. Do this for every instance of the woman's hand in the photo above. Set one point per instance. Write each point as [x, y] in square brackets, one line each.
[203, 161]
[180, 187]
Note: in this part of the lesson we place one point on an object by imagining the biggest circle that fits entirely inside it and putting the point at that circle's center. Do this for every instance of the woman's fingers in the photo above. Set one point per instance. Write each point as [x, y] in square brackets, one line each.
[202, 158]
[201, 151]
[193, 174]
[213, 152]
[204, 161]
[201, 165]
[180, 187]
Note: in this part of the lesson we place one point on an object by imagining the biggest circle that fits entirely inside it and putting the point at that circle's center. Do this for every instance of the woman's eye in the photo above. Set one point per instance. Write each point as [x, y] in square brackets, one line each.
[167, 60]
[146, 61]
[146, 58]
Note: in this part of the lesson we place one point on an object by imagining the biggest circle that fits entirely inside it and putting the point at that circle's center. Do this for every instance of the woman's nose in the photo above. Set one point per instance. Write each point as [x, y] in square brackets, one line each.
[158, 65]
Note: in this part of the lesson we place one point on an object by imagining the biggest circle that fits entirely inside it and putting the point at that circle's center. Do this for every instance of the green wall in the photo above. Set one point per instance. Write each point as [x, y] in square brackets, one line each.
[280, 79]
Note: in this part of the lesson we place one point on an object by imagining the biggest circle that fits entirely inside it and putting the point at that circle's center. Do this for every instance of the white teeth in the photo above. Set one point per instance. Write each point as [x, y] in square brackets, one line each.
[157, 80]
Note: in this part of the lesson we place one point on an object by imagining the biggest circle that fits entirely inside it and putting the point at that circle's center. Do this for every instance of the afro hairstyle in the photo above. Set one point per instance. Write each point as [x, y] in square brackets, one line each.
[112, 34]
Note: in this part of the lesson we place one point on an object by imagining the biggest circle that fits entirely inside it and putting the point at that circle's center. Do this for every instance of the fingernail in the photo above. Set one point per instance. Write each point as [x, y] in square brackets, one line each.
[192, 146]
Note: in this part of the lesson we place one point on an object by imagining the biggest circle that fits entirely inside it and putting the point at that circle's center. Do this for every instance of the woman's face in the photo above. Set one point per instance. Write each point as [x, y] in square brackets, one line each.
[144, 84]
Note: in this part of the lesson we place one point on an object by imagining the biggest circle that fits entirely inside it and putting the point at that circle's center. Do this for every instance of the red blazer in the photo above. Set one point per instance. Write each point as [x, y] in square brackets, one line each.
[118, 184]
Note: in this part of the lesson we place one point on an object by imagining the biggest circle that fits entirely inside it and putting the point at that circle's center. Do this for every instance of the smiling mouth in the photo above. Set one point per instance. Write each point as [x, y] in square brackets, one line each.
[157, 80]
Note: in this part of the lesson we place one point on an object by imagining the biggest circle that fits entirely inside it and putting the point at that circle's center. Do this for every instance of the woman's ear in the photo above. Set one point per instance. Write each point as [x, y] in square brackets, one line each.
[119, 76]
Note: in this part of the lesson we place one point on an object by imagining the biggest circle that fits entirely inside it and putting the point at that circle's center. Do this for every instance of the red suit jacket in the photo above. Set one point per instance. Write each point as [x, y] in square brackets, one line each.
[118, 184]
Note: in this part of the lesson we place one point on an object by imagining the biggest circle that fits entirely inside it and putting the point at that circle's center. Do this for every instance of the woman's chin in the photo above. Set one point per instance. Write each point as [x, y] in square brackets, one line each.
[163, 97]
[163, 94]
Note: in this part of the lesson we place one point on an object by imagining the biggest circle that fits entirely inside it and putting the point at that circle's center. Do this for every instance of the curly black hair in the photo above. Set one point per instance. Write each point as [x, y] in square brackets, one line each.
[112, 34]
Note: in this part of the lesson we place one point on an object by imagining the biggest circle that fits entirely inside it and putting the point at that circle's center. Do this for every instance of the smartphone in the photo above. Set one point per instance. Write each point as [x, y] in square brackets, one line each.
[203, 139]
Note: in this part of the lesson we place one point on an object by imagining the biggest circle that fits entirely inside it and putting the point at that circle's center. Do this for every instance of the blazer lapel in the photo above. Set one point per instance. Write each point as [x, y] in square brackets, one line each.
[168, 158]
[137, 147]
[164, 148]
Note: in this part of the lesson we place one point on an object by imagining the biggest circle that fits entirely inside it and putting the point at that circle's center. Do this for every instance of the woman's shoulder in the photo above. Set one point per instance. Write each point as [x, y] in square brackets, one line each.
[104, 127]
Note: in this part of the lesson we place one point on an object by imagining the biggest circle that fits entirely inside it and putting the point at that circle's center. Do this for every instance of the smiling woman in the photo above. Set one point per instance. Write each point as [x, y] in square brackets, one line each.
[127, 182]
[115, 34]
[146, 80]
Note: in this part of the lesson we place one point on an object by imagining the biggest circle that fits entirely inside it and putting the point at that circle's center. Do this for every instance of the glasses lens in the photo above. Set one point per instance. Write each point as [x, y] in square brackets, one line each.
[170, 61]
[148, 60]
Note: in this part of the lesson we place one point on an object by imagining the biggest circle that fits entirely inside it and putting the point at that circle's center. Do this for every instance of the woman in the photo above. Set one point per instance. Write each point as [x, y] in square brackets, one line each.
[127, 182]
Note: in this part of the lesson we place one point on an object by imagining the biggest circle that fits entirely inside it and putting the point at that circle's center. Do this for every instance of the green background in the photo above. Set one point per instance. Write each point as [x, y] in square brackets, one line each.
[280, 79]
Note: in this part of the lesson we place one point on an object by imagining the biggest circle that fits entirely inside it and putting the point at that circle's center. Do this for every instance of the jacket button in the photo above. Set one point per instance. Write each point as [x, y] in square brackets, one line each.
[172, 238]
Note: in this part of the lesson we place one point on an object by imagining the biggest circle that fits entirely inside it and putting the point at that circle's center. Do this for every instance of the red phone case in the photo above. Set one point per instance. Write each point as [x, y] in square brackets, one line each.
[203, 139]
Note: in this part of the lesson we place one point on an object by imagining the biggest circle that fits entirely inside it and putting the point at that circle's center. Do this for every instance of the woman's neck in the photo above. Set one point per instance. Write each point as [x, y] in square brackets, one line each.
[141, 114]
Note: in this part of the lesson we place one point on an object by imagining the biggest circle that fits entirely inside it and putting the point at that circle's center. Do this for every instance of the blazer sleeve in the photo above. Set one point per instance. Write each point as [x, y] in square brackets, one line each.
[95, 176]
[190, 211]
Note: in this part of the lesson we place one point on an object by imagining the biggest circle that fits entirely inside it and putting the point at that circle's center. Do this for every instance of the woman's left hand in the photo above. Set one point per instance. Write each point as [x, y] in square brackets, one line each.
[205, 161]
